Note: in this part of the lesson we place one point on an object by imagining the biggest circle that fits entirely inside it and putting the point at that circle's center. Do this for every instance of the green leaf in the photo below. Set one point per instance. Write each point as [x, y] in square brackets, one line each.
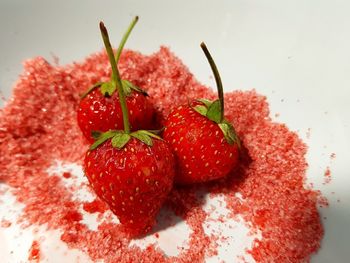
[108, 88]
[225, 129]
[229, 133]
[102, 138]
[95, 134]
[128, 87]
[145, 138]
[151, 134]
[201, 110]
[214, 111]
[120, 139]
[93, 87]
[156, 132]
[206, 102]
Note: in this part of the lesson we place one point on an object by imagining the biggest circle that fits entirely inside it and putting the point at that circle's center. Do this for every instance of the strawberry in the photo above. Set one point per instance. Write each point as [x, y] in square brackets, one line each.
[99, 109]
[98, 113]
[133, 180]
[132, 172]
[205, 144]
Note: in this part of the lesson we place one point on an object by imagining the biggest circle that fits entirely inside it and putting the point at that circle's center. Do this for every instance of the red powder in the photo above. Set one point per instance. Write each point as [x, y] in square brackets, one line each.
[66, 175]
[95, 206]
[39, 126]
[72, 216]
[327, 176]
[34, 252]
[5, 223]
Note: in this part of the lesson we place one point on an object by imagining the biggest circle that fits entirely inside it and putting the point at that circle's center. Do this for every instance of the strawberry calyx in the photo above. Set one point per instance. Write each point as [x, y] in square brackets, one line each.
[108, 88]
[214, 110]
[129, 87]
[90, 89]
[211, 110]
[120, 138]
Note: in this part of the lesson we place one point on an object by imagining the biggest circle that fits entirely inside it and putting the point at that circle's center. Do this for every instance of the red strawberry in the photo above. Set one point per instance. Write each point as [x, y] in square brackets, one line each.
[205, 144]
[134, 181]
[132, 172]
[100, 111]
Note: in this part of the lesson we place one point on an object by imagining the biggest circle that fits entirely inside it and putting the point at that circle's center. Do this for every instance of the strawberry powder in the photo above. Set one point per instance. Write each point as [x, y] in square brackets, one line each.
[38, 126]
[34, 252]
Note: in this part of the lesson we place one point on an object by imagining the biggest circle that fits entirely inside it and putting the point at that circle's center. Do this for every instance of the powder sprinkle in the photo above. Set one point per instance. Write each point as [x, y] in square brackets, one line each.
[327, 176]
[38, 127]
[34, 252]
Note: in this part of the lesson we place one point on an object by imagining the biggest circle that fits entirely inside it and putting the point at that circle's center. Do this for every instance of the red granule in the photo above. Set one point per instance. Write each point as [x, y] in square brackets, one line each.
[5, 223]
[323, 202]
[95, 206]
[34, 252]
[38, 127]
[66, 175]
[327, 176]
[72, 216]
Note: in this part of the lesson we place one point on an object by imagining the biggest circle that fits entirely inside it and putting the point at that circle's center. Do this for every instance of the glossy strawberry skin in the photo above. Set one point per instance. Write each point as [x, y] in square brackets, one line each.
[201, 150]
[133, 181]
[99, 113]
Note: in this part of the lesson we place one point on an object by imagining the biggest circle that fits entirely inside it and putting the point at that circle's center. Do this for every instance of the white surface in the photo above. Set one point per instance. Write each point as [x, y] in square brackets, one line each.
[295, 52]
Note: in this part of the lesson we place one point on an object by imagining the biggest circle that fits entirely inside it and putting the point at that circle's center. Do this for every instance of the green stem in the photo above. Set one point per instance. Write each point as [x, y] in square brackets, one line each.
[125, 38]
[217, 79]
[116, 77]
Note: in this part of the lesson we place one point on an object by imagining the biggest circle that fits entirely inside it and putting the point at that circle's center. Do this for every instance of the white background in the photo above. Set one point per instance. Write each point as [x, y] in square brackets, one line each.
[297, 53]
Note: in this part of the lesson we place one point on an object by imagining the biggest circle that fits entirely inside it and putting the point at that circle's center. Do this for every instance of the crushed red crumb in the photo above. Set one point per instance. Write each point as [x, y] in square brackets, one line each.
[67, 175]
[323, 202]
[95, 206]
[34, 252]
[5, 223]
[327, 176]
[72, 216]
[38, 127]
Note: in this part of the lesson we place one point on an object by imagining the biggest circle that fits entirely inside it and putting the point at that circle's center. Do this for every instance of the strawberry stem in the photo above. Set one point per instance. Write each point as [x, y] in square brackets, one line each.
[116, 77]
[125, 38]
[217, 79]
